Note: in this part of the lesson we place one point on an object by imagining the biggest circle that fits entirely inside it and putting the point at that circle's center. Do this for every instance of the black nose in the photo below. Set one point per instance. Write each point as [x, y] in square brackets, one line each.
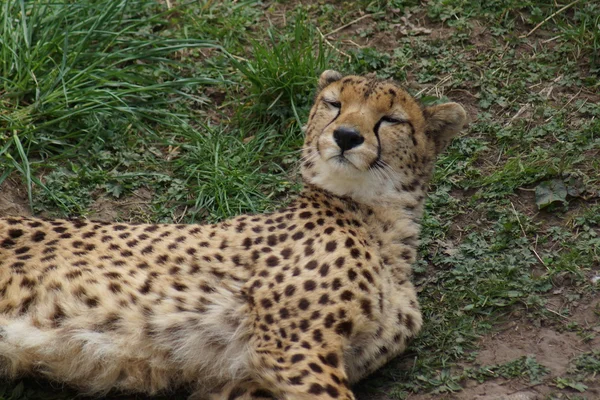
[347, 138]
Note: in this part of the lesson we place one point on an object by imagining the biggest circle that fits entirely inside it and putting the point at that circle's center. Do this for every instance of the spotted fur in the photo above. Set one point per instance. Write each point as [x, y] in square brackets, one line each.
[297, 304]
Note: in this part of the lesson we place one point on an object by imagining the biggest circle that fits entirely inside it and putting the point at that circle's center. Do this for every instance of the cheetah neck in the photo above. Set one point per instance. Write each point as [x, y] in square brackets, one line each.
[392, 226]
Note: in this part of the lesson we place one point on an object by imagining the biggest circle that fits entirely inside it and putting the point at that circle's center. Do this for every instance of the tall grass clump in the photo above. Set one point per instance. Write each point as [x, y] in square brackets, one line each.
[283, 69]
[70, 71]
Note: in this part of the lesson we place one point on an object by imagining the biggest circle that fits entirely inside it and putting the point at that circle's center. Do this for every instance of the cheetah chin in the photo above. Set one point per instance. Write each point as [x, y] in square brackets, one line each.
[296, 304]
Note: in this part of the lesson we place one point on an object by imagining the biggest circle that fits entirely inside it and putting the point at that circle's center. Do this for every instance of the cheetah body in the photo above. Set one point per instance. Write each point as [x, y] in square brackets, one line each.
[296, 304]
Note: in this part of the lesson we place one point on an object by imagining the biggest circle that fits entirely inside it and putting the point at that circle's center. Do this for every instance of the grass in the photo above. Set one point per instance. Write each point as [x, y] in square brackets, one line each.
[71, 72]
[194, 113]
[284, 70]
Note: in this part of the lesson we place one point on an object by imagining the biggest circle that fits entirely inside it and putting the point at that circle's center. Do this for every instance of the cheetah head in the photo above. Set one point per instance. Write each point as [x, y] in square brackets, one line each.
[370, 140]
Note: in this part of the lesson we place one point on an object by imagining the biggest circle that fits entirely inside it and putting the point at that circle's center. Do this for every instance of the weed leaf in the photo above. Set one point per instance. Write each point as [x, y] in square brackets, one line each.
[563, 383]
[549, 192]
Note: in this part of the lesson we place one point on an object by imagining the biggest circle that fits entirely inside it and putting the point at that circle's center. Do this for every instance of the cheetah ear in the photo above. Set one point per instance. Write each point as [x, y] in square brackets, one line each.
[327, 77]
[443, 122]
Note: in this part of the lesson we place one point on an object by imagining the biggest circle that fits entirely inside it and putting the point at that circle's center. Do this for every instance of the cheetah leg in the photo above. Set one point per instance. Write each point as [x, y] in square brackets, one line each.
[240, 391]
[253, 391]
[298, 374]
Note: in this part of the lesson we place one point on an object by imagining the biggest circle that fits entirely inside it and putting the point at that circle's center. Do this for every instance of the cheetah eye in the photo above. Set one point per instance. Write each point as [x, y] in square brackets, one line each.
[392, 120]
[334, 104]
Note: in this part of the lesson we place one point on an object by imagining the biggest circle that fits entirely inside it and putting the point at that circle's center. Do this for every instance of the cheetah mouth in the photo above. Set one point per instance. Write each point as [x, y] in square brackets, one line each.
[340, 159]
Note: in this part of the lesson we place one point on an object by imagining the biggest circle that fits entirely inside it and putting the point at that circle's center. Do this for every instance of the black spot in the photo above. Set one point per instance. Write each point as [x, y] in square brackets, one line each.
[296, 380]
[317, 335]
[336, 284]
[315, 367]
[272, 261]
[206, 288]
[324, 270]
[27, 283]
[114, 287]
[236, 393]
[180, 287]
[297, 235]
[366, 307]
[147, 249]
[286, 253]
[296, 358]
[15, 233]
[331, 246]
[304, 325]
[352, 275]
[310, 285]
[329, 320]
[311, 265]
[303, 304]
[271, 240]
[261, 393]
[331, 359]
[347, 295]
[344, 328]
[7, 243]
[315, 388]
[38, 236]
[290, 290]
[332, 391]
[91, 302]
[324, 299]
[266, 303]
[305, 215]
[410, 322]
[22, 250]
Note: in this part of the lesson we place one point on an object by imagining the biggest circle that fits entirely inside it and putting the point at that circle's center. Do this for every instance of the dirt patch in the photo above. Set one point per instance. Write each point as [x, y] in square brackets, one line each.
[132, 208]
[13, 199]
[550, 348]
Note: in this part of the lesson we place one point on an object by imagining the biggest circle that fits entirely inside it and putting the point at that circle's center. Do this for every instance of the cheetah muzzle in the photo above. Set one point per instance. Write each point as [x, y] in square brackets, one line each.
[296, 304]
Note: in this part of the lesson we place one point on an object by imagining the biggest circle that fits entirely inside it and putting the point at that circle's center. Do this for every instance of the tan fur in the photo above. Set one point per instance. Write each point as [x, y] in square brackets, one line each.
[297, 304]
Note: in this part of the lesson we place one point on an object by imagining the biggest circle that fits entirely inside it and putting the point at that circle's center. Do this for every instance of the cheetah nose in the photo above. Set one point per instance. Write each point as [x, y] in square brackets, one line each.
[347, 138]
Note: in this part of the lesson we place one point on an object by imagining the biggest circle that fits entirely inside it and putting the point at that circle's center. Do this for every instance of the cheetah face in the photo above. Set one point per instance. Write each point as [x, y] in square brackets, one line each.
[370, 140]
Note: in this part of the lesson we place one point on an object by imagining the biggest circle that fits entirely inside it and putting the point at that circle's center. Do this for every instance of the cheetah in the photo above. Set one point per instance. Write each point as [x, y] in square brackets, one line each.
[296, 304]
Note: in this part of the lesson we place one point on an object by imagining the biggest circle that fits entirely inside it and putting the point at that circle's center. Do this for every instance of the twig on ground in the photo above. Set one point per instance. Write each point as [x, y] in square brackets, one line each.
[554, 14]
[554, 312]
[352, 23]
[328, 43]
[518, 220]
[352, 42]
[539, 258]
[434, 87]
[518, 114]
